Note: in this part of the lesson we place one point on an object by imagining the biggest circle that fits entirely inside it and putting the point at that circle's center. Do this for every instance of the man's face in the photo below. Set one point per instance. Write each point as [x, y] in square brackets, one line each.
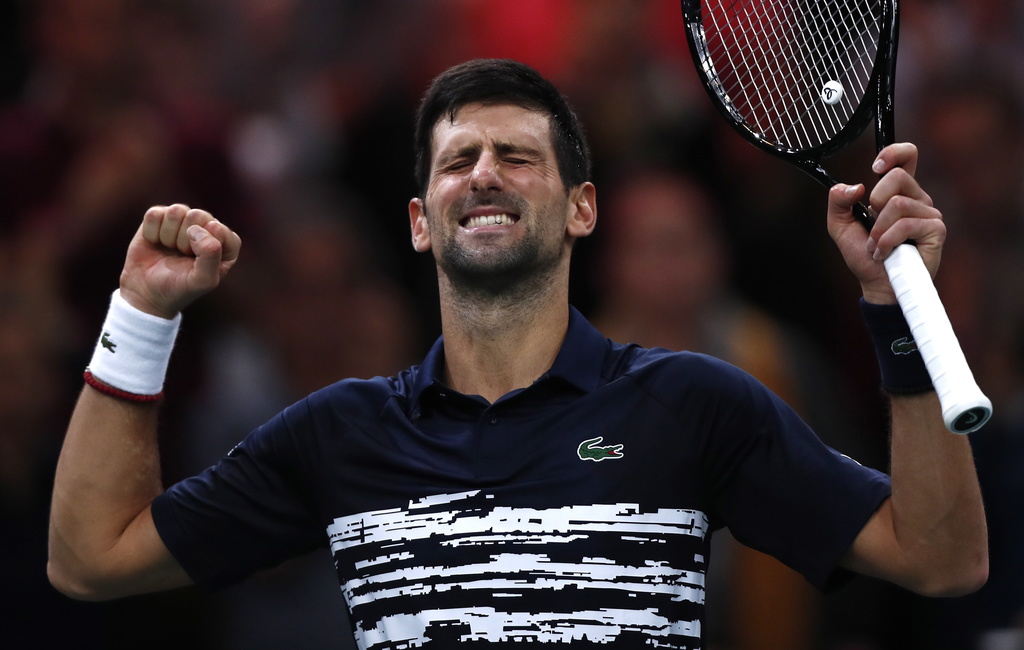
[495, 210]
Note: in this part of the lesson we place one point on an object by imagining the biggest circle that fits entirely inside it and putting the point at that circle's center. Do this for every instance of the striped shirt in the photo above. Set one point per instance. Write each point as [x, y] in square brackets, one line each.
[577, 511]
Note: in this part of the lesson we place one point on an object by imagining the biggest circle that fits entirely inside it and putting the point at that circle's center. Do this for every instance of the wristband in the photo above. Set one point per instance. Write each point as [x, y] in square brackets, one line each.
[131, 357]
[899, 361]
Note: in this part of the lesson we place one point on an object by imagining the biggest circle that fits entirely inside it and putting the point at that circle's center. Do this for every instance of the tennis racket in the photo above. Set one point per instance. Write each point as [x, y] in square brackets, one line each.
[802, 79]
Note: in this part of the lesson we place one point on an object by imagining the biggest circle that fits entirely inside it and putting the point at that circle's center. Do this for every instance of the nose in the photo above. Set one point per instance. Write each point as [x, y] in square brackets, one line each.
[486, 174]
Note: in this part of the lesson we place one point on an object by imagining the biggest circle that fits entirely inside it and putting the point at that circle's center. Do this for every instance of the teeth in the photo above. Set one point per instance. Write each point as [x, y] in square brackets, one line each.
[489, 220]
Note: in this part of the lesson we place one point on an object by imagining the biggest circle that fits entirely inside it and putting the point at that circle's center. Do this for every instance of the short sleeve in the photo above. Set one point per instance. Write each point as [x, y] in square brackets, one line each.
[781, 490]
[252, 510]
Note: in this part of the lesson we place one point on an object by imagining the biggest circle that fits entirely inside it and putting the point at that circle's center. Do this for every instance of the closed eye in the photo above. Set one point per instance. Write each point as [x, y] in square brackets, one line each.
[456, 165]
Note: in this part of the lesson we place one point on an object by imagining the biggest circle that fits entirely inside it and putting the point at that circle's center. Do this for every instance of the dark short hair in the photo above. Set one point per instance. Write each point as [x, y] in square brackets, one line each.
[501, 81]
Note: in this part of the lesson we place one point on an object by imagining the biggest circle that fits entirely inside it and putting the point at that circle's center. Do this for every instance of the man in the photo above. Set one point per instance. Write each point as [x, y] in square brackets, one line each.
[530, 480]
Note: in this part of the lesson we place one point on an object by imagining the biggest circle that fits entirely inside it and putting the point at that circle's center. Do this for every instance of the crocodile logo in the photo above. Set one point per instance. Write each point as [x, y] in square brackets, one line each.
[107, 343]
[588, 450]
[905, 345]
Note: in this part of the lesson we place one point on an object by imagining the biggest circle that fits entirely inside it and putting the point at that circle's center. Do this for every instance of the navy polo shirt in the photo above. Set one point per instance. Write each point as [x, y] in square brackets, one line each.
[577, 510]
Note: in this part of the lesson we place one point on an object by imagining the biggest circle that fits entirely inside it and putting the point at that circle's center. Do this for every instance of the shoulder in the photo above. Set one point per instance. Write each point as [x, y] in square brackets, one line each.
[355, 398]
[694, 386]
[658, 368]
[304, 431]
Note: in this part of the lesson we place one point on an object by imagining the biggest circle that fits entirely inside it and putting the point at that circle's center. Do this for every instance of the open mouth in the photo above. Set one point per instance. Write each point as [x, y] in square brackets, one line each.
[489, 220]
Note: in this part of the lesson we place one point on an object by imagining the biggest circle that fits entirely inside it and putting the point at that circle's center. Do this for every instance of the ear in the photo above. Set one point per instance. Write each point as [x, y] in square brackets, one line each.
[419, 226]
[583, 216]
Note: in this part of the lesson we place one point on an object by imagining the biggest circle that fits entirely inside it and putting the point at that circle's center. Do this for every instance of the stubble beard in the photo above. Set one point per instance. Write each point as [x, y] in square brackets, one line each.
[503, 275]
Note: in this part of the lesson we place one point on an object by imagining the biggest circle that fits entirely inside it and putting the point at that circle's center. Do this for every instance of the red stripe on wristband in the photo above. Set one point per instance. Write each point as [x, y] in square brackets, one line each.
[107, 389]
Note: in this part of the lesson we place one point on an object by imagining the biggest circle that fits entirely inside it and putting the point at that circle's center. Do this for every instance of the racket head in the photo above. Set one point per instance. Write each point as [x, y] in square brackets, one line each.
[799, 79]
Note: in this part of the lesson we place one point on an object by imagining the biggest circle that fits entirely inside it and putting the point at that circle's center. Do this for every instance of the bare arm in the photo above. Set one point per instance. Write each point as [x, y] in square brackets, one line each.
[103, 543]
[930, 536]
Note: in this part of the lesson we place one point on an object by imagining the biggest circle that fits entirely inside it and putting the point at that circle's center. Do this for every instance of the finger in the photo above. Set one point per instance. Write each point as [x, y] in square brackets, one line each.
[903, 220]
[170, 225]
[151, 222]
[900, 154]
[897, 182]
[899, 207]
[193, 217]
[927, 235]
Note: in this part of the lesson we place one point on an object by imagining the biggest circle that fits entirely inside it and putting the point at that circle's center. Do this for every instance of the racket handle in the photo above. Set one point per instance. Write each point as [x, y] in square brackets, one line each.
[964, 407]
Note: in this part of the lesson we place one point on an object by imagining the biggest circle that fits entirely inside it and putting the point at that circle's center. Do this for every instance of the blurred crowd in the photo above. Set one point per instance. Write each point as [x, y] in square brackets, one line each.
[291, 121]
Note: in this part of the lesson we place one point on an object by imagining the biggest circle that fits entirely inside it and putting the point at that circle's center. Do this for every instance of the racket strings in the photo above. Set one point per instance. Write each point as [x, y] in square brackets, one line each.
[772, 59]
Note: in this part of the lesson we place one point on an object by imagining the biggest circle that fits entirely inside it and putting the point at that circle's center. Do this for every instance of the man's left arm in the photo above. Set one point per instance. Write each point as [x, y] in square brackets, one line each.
[930, 536]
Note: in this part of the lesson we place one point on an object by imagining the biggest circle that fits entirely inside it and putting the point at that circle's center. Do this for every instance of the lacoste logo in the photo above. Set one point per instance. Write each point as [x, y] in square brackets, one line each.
[589, 450]
[107, 343]
[904, 345]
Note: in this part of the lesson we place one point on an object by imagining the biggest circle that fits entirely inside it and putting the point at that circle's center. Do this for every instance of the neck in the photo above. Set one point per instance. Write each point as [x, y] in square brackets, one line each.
[499, 343]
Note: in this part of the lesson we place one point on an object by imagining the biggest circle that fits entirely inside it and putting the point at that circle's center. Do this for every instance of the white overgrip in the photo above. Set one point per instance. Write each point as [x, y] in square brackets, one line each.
[964, 407]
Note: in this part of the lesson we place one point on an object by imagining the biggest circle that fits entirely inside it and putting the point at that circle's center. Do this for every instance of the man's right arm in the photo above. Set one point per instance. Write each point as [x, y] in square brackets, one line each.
[103, 542]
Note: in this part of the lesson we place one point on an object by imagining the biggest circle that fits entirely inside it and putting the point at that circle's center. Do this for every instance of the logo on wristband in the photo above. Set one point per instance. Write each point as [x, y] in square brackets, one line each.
[905, 345]
[107, 343]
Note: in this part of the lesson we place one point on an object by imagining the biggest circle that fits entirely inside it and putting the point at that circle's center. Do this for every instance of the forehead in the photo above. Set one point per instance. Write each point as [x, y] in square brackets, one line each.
[477, 125]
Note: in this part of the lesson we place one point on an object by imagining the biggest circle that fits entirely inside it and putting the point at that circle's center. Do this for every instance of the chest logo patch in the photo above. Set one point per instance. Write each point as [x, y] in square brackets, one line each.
[589, 450]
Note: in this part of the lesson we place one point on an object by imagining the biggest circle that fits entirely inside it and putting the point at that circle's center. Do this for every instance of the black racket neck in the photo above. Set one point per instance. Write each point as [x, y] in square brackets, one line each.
[885, 88]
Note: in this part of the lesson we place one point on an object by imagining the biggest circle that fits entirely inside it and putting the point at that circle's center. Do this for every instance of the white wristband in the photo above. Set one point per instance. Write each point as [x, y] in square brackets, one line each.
[133, 351]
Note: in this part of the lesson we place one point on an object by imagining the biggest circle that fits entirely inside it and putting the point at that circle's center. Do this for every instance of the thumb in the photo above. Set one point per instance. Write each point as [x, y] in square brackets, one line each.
[842, 198]
[207, 249]
[841, 219]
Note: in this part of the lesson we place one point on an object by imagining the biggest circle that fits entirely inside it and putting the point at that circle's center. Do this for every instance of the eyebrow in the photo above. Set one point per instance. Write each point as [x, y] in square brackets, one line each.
[501, 148]
[505, 148]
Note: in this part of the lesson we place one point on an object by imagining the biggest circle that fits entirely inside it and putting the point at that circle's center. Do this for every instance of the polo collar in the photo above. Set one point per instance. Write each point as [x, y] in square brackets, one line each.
[579, 361]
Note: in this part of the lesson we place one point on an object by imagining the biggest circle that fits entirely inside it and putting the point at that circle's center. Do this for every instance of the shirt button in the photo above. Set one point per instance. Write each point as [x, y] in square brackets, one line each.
[495, 420]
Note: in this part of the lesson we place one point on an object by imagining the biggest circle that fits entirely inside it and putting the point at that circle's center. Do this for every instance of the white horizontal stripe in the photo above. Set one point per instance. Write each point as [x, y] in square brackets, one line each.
[555, 524]
[487, 624]
[510, 572]
[510, 538]
[383, 560]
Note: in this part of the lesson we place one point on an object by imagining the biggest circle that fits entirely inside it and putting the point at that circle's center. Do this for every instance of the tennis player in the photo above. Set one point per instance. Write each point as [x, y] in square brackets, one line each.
[530, 480]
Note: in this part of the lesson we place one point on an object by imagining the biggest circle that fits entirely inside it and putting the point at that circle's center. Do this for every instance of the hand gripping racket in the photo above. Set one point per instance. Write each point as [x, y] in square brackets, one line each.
[801, 79]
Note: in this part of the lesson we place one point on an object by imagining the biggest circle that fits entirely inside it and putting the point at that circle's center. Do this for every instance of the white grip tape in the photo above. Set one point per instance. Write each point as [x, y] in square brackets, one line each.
[964, 407]
[134, 348]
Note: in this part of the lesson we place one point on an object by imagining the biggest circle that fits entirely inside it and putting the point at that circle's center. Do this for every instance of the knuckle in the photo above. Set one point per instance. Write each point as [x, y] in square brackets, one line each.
[901, 175]
[177, 211]
[903, 204]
